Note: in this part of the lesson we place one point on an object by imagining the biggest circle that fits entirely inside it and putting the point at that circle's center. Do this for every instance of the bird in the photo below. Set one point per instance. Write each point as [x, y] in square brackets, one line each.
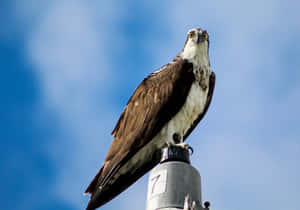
[163, 110]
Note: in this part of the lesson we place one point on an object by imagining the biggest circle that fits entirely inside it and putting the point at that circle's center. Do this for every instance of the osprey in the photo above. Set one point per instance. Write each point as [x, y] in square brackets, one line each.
[163, 110]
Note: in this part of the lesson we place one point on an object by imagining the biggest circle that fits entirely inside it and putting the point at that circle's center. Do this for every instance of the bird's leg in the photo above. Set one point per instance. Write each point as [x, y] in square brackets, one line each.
[183, 145]
[170, 141]
[178, 139]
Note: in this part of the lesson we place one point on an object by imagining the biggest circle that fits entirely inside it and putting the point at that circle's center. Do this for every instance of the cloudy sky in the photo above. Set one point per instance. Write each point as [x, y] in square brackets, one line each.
[69, 67]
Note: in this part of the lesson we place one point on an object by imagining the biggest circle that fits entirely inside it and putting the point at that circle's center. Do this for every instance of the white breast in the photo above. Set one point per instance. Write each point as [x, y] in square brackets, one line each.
[192, 108]
[180, 123]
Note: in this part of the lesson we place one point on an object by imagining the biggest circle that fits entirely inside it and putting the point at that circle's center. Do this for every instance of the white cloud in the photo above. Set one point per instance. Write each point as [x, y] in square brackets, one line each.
[235, 171]
[242, 160]
[70, 45]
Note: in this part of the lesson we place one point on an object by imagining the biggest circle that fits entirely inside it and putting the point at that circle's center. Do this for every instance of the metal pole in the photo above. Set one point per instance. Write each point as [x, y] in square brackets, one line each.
[174, 184]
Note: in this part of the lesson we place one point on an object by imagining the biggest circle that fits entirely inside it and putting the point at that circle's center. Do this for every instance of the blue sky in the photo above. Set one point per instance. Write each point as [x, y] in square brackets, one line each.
[69, 67]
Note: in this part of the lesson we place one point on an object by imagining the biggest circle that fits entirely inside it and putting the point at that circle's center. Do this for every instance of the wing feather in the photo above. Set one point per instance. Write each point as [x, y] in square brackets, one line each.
[155, 101]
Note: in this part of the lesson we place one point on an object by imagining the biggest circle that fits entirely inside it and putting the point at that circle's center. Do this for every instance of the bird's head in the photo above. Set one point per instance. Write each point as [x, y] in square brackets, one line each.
[196, 36]
[196, 44]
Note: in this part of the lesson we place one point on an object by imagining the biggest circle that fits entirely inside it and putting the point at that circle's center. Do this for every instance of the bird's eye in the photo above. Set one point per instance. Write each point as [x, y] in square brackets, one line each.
[192, 34]
[206, 36]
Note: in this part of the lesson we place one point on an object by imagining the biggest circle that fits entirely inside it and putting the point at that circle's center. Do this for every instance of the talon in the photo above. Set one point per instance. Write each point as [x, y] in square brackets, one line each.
[176, 138]
[191, 150]
[183, 145]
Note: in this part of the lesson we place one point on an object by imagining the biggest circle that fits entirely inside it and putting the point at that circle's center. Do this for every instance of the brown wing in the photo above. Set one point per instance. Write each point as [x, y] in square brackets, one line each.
[155, 101]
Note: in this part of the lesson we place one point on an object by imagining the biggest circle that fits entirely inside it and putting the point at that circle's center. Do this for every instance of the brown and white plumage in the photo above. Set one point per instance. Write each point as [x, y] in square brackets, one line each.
[169, 102]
